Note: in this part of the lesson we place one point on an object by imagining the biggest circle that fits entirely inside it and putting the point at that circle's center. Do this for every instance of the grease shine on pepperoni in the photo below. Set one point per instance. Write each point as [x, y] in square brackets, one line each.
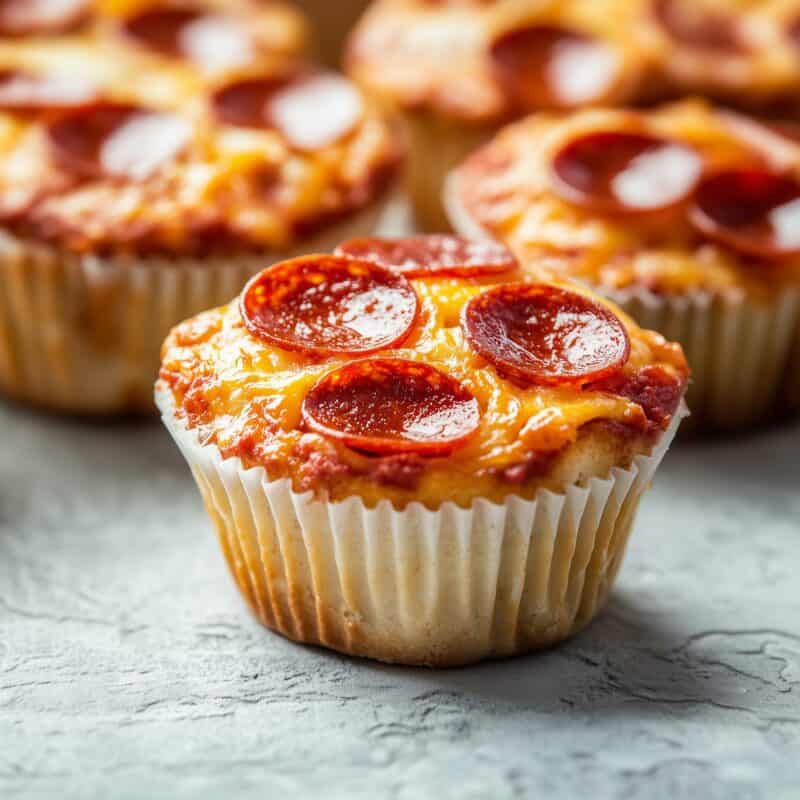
[541, 334]
[117, 141]
[209, 39]
[311, 110]
[625, 172]
[391, 405]
[753, 211]
[699, 28]
[432, 254]
[544, 66]
[32, 17]
[324, 305]
[24, 93]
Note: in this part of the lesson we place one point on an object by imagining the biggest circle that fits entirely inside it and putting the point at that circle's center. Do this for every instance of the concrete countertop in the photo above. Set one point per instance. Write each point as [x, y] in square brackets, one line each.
[129, 667]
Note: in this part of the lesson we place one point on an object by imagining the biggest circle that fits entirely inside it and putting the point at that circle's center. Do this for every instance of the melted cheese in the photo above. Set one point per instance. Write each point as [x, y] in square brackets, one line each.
[246, 188]
[435, 55]
[506, 188]
[245, 396]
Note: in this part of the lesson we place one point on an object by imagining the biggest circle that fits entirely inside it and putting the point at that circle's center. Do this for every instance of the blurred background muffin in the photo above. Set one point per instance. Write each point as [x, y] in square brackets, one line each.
[152, 157]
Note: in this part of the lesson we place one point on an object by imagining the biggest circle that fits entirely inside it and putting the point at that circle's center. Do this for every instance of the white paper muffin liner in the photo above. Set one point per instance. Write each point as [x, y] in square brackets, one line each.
[438, 587]
[739, 348]
[83, 334]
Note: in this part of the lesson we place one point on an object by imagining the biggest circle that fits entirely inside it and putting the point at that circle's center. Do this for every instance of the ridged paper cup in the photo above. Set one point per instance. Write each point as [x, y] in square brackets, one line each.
[740, 349]
[83, 334]
[436, 145]
[791, 390]
[440, 587]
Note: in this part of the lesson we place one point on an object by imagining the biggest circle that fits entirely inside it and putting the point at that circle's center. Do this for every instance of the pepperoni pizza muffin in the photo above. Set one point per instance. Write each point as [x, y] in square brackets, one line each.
[686, 216]
[414, 452]
[150, 162]
[457, 71]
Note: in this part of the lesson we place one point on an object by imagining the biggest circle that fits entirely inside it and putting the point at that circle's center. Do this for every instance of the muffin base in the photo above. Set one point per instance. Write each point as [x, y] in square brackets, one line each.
[436, 145]
[83, 335]
[444, 587]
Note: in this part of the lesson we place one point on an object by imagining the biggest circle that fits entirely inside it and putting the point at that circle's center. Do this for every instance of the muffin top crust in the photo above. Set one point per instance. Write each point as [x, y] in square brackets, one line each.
[743, 52]
[182, 128]
[683, 199]
[488, 60]
[420, 370]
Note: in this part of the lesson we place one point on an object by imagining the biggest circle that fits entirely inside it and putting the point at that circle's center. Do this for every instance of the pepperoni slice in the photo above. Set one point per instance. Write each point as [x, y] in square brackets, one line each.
[212, 40]
[329, 304]
[161, 29]
[544, 66]
[541, 334]
[433, 254]
[24, 93]
[754, 211]
[699, 28]
[311, 111]
[31, 17]
[117, 141]
[625, 172]
[391, 405]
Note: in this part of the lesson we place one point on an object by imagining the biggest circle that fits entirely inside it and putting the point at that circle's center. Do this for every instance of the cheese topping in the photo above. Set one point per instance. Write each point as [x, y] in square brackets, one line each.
[215, 184]
[246, 396]
[508, 188]
[486, 61]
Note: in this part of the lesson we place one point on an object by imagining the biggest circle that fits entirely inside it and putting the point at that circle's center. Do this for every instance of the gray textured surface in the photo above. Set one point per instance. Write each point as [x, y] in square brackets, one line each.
[130, 668]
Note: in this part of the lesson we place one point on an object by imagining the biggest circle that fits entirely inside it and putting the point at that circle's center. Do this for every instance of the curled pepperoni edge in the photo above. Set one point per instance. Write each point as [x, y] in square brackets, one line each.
[528, 377]
[380, 445]
[705, 223]
[575, 196]
[365, 247]
[261, 332]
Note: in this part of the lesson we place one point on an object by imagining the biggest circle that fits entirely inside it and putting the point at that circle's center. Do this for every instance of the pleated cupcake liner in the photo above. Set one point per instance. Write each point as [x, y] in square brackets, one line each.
[442, 587]
[83, 334]
[437, 145]
[739, 350]
[743, 352]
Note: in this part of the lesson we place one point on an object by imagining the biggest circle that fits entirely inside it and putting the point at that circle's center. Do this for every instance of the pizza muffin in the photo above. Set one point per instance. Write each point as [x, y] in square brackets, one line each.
[457, 71]
[139, 185]
[412, 451]
[687, 217]
[738, 51]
